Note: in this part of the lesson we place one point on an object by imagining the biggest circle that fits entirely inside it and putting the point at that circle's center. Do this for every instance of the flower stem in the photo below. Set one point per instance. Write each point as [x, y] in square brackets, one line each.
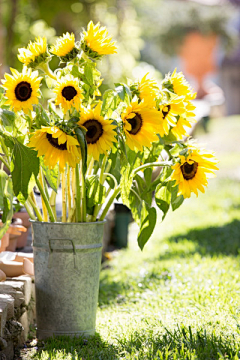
[64, 202]
[109, 203]
[4, 162]
[29, 210]
[78, 195]
[83, 195]
[35, 208]
[145, 166]
[44, 207]
[69, 198]
[45, 187]
[101, 180]
[90, 166]
[53, 196]
[71, 216]
[45, 202]
[45, 68]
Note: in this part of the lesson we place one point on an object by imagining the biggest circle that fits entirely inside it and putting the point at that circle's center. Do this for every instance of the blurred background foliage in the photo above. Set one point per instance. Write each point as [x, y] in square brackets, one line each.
[166, 24]
[23, 20]
[147, 32]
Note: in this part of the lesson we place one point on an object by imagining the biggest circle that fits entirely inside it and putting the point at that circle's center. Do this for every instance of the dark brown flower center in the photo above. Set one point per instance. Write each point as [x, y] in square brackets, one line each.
[136, 123]
[94, 131]
[23, 91]
[69, 92]
[166, 110]
[189, 170]
[54, 142]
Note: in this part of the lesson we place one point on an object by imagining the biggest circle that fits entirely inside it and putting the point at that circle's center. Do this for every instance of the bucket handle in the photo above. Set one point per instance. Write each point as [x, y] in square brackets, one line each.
[51, 251]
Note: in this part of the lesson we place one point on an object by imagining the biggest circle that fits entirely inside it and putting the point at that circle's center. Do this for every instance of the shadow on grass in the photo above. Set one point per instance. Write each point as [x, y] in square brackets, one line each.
[182, 344]
[213, 240]
[65, 347]
[112, 291]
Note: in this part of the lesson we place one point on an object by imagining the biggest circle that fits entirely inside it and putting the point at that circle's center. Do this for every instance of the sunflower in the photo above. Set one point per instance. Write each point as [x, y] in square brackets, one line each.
[65, 47]
[96, 41]
[69, 94]
[22, 89]
[35, 53]
[100, 134]
[141, 124]
[171, 110]
[179, 85]
[56, 147]
[193, 170]
[148, 90]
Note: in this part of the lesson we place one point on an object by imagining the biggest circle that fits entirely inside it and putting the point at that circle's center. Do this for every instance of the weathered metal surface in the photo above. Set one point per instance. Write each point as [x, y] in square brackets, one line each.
[67, 259]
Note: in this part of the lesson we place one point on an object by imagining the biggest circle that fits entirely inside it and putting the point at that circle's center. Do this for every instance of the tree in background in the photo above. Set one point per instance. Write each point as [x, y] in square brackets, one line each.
[23, 20]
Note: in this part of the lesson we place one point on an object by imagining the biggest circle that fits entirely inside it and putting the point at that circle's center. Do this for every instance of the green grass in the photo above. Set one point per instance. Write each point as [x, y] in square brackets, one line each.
[180, 297]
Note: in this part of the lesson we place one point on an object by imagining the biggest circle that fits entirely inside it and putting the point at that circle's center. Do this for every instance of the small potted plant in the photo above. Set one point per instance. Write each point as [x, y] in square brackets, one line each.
[98, 149]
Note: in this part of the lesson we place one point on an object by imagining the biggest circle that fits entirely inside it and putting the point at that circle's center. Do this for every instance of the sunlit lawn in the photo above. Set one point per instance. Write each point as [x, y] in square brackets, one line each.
[180, 297]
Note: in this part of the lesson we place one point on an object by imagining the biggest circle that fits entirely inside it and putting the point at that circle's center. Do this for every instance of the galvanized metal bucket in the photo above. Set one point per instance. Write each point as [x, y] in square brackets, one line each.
[67, 260]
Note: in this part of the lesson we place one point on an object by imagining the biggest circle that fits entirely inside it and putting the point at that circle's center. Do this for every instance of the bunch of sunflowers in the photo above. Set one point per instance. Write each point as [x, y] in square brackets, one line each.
[96, 148]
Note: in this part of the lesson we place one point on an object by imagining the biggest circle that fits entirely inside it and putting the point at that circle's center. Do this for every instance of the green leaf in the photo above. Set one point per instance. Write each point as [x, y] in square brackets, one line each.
[169, 138]
[126, 182]
[176, 201]
[88, 72]
[7, 140]
[7, 117]
[51, 175]
[120, 90]
[148, 175]
[148, 222]
[24, 163]
[75, 72]
[123, 92]
[80, 133]
[135, 205]
[52, 111]
[163, 198]
[110, 102]
[176, 149]
[115, 167]
[95, 193]
[166, 173]
[144, 189]
[3, 181]
[41, 118]
[6, 201]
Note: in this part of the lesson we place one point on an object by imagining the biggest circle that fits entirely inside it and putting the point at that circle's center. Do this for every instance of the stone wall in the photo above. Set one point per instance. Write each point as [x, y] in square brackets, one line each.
[17, 314]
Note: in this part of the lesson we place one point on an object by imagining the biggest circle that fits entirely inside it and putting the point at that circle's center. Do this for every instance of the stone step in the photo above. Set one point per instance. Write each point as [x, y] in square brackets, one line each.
[27, 288]
[10, 289]
[9, 300]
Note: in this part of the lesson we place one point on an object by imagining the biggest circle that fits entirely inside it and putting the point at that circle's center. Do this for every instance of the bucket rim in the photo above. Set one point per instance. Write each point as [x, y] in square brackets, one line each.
[68, 223]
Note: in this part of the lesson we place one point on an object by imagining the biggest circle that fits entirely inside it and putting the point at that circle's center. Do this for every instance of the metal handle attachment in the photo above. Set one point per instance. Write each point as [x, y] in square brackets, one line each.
[71, 248]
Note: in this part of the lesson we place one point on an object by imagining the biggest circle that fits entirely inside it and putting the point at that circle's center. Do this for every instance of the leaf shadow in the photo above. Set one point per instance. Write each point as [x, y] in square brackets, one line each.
[111, 291]
[213, 240]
